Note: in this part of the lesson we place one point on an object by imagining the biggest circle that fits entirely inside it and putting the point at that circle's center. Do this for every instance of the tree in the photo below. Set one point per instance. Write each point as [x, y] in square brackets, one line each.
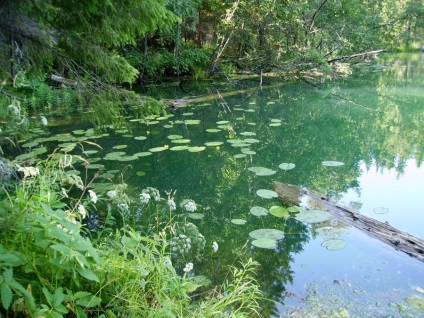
[79, 40]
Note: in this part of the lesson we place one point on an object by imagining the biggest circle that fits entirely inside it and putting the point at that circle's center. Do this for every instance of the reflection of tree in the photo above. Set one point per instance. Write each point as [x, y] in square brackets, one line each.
[359, 120]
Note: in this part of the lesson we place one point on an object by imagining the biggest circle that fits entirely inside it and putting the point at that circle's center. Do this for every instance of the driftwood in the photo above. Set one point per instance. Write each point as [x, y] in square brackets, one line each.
[347, 57]
[293, 195]
[66, 81]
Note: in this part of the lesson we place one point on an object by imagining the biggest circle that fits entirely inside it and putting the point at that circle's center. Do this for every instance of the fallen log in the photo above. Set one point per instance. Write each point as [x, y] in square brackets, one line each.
[62, 80]
[293, 195]
[347, 57]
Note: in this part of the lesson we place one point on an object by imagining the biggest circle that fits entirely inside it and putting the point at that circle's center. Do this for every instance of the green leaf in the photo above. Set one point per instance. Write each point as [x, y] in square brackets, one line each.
[61, 248]
[88, 274]
[6, 295]
[279, 212]
[89, 301]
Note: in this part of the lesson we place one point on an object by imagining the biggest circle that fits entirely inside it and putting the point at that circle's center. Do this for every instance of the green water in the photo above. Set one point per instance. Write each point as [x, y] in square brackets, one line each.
[373, 123]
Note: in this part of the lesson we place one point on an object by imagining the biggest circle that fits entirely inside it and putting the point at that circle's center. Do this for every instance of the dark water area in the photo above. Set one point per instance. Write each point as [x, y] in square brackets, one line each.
[372, 123]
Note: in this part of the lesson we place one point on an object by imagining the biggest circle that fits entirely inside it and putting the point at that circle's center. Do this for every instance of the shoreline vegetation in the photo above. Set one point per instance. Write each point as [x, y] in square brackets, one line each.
[85, 58]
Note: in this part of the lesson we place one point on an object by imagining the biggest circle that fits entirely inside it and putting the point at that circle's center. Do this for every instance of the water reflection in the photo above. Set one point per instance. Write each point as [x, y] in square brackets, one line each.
[370, 123]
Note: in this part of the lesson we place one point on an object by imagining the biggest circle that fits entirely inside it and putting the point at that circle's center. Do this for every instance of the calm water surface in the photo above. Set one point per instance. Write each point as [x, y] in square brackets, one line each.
[374, 124]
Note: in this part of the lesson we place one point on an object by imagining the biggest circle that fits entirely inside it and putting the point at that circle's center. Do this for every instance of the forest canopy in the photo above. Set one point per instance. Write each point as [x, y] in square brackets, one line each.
[92, 48]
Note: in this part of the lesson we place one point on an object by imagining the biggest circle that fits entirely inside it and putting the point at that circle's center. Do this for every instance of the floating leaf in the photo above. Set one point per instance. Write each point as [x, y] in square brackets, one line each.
[267, 194]
[188, 114]
[313, 216]
[192, 121]
[157, 149]
[213, 143]
[178, 148]
[120, 146]
[273, 120]
[142, 154]
[222, 122]
[249, 152]
[274, 124]
[140, 173]
[279, 212]
[332, 163]
[259, 211]
[381, 210]
[265, 243]
[180, 141]
[127, 158]
[90, 152]
[248, 133]
[331, 232]
[293, 209]
[261, 171]
[287, 166]
[238, 221]
[334, 244]
[140, 138]
[196, 149]
[251, 140]
[172, 137]
[271, 234]
[153, 122]
[250, 110]
[240, 155]
[213, 130]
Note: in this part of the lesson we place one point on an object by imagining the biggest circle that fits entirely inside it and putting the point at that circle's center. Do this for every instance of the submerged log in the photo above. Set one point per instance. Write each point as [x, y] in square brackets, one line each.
[293, 195]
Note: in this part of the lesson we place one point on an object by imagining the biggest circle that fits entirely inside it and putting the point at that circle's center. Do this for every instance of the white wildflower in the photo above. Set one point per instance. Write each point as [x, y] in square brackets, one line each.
[144, 198]
[188, 205]
[82, 211]
[123, 207]
[188, 267]
[171, 204]
[44, 121]
[111, 194]
[93, 196]
[29, 171]
[152, 192]
[215, 246]
[65, 194]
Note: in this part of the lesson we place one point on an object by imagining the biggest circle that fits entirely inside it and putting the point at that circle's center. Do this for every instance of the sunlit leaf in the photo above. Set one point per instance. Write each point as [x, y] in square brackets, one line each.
[267, 194]
[238, 221]
[313, 216]
[287, 166]
[334, 244]
[259, 211]
[265, 243]
[272, 234]
[279, 212]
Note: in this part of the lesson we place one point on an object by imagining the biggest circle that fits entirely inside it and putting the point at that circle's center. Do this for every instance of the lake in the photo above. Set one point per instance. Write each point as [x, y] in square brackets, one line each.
[357, 140]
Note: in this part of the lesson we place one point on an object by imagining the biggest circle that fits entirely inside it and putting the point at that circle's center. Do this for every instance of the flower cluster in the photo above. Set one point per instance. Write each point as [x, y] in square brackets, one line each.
[188, 205]
[29, 171]
[171, 204]
[188, 240]
[188, 267]
[152, 192]
[72, 180]
[144, 198]
[215, 246]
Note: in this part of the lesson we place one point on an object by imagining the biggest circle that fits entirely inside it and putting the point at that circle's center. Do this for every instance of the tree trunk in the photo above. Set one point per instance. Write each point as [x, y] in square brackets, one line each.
[293, 195]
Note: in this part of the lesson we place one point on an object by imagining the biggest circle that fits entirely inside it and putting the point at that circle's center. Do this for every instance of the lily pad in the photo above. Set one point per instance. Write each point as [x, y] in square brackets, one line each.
[140, 173]
[259, 211]
[157, 149]
[331, 232]
[265, 243]
[142, 154]
[334, 244]
[213, 130]
[238, 221]
[192, 121]
[172, 137]
[251, 140]
[279, 212]
[249, 152]
[381, 210]
[213, 143]
[222, 122]
[294, 209]
[178, 148]
[332, 163]
[271, 234]
[287, 166]
[248, 133]
[127, 158]
[180, 141]
[120, 146]
[274, 124]
[262, 171]
[313, 216]
[196, 149]
[239, 156]
[140, 138]
[267, 194]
